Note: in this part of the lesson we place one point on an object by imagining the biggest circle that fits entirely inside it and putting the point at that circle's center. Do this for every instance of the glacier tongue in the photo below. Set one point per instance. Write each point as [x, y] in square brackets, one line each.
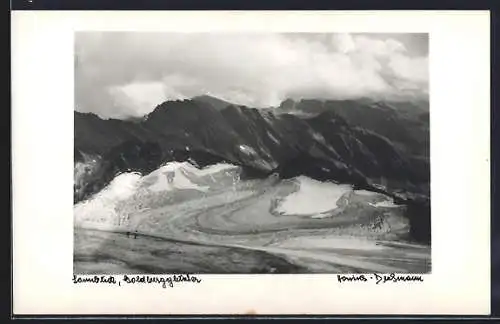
[101, 209]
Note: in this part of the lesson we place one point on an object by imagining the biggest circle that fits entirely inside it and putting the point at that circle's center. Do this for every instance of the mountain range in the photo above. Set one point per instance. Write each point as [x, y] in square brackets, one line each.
[373, 145]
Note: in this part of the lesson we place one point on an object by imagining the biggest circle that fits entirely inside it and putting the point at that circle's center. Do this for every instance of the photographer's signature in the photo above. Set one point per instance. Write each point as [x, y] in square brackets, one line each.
[379, 278]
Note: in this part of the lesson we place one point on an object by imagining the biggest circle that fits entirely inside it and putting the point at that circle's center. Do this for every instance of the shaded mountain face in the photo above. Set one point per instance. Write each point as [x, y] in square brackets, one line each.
[372, 145]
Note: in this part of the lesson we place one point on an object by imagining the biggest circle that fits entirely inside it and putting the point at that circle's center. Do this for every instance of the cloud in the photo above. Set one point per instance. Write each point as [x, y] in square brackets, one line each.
[128, 74]
[138, 97]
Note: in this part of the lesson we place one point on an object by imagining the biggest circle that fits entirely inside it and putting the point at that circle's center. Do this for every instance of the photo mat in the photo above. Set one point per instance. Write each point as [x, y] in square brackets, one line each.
[43, 49]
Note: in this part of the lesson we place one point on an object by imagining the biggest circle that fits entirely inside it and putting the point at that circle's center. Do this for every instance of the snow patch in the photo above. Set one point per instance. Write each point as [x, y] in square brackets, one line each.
[274, 139]
[365, 193]
[180, 175]
[313, 197]
[318, 137]
[122, 186]
[247, 149]
[101, 207]
[212, 169]
[169, 180]
[385, 203]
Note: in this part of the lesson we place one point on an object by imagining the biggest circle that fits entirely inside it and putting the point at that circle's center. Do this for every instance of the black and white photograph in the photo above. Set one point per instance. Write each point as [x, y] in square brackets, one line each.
[251, 153]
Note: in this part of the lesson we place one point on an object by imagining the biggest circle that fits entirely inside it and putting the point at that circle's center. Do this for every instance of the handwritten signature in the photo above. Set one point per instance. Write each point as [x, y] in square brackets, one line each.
[379, 278]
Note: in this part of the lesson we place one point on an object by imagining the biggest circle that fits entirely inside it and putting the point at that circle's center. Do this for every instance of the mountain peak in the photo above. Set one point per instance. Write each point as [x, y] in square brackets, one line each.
[287, 104]
[215, 102]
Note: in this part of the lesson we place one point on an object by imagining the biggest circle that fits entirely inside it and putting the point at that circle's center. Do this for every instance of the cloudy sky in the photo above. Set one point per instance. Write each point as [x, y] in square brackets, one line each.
[122, 74]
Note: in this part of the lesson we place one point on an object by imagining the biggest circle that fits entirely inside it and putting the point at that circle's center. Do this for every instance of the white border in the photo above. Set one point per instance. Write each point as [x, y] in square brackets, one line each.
[42, 112]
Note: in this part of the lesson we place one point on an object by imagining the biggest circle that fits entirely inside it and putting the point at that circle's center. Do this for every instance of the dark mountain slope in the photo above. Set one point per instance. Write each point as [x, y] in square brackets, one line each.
[405, 124]
[94, 135]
